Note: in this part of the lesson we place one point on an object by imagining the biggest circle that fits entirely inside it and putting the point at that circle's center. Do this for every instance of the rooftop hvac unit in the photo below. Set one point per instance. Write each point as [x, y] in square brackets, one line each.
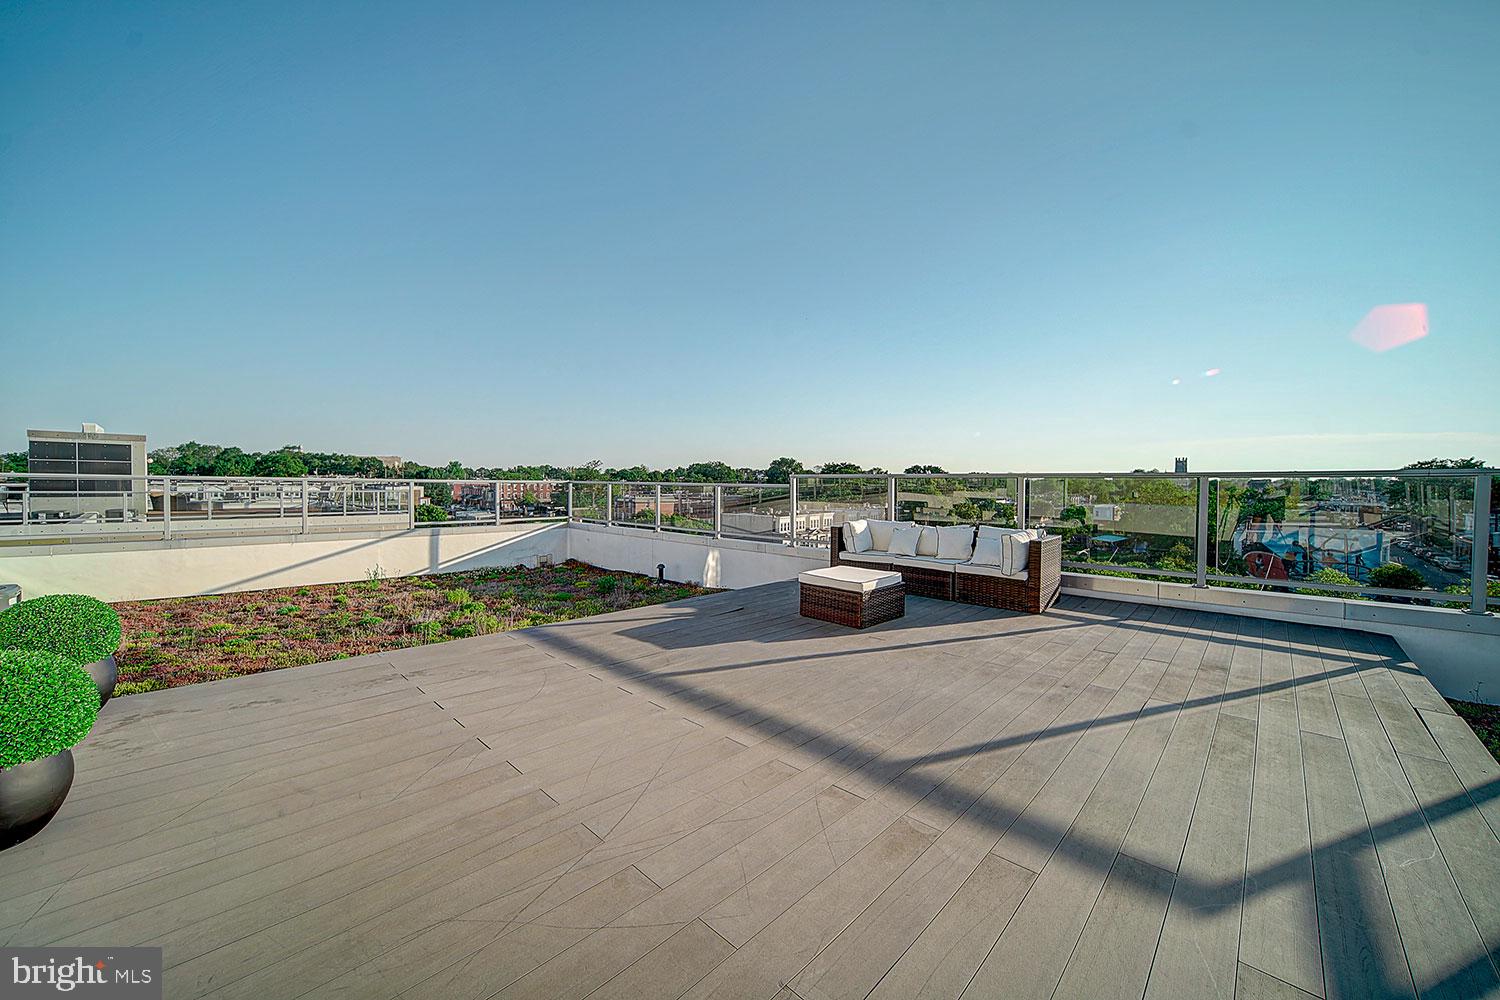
[1106, 512]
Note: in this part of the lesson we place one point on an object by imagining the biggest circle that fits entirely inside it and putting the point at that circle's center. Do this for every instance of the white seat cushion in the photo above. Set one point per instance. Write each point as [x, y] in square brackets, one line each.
[880, 533]
[850, 578]
[904, 540]
[857, 536]
[991, 571]
[927, 545]
[928, 562]
[955, 542]
[871, 556]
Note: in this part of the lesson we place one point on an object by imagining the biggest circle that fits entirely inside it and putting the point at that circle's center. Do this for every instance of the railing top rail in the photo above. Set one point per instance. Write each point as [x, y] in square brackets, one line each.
[675, 483]
[1315, 474]
[688, 484]
[375, 480]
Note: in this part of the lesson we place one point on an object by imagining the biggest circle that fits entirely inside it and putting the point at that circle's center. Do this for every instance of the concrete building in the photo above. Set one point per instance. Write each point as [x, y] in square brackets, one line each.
[87, 473]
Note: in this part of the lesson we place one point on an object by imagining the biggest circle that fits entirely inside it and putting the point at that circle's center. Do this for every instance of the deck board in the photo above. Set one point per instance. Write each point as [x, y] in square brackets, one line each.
[719, 798]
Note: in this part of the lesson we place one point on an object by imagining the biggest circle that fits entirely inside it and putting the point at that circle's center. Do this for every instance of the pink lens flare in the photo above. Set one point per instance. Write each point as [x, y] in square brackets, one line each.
[1212, 372]
[1387, 327]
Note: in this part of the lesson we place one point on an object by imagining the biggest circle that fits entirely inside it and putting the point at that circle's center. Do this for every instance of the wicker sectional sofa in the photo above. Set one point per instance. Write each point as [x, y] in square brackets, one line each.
[995, 567]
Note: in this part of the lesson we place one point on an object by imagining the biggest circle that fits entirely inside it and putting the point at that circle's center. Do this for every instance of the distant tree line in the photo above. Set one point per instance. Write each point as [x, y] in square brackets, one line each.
[195, 459]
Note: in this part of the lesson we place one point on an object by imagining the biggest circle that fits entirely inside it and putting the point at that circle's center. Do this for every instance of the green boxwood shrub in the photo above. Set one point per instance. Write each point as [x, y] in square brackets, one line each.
[430, 512]
[47, 704]
[1396, 577]
[73, 626]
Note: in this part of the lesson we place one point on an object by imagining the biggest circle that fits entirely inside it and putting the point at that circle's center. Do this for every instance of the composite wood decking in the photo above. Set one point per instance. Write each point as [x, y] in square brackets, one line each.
[718, 798]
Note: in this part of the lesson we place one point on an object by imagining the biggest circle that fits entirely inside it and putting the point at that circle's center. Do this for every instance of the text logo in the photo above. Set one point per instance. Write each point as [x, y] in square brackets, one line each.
[121, 973]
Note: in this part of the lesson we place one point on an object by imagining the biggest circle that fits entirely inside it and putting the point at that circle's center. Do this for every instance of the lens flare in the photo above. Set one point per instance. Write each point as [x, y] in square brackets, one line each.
[1212, 372]
[1387, 327]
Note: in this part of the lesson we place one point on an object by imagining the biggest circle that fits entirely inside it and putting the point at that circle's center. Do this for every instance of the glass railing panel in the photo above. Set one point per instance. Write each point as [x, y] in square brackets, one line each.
[1337, 536]
[956, 500]
[1120, 526]
[378, 501]
[438, 501]
[823, 501]
[328, 500]
[210, 504]
[757, 512]
[635, 505]
[78, 504]
[15, 497]
[688, 507]
[435, 501]
[591, 501]
[1492, 584]
[525, 499]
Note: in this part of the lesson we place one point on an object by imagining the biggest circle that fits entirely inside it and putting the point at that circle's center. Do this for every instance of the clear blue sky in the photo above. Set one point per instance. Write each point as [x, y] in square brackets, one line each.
[986, 236]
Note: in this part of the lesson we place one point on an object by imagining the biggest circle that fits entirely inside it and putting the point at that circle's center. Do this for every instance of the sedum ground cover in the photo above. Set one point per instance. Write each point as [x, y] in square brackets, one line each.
[187, 640]
[1483, 719]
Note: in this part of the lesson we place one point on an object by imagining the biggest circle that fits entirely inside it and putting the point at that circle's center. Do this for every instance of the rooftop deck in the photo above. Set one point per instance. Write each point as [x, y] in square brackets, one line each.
[721, 799]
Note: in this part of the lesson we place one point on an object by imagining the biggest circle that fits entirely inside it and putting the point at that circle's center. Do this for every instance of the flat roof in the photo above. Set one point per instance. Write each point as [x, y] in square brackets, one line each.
[36, 435]
[720, 798]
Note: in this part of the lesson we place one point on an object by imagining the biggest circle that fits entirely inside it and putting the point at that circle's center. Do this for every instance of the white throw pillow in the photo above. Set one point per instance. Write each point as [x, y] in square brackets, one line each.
[904, 540]
[880, 534]
[956, 542]
[1015, 552]
[996, 531]
[986, 551]
[857, 536]
[927, 545]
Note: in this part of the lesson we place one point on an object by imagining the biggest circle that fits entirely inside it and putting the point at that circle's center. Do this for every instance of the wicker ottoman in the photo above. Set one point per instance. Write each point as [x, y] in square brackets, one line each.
[848, 595]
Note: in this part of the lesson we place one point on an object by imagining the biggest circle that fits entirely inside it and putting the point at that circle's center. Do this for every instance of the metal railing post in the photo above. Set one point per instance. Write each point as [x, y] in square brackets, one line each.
[208, 501]
[1201, 580]
[411, 503]
[658, 506]
[496, 485]
[890, 498]
[26, 506]
[166, 507]
[304, 506]
[570, 499]
[1479, 557]
[1021, 482]
[609, 504]
[718, 510]
[792, 507]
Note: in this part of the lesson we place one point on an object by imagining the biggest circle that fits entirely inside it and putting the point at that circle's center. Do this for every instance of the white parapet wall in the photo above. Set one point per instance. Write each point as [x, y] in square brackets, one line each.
[141, 570]
[722, 562]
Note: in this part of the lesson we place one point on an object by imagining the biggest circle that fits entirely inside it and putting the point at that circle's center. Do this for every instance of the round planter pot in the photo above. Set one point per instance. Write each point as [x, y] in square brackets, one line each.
[31, 794]
[105, 673]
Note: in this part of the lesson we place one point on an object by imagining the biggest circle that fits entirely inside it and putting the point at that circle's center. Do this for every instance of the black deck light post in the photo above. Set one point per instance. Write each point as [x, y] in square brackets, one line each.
[661, 573]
